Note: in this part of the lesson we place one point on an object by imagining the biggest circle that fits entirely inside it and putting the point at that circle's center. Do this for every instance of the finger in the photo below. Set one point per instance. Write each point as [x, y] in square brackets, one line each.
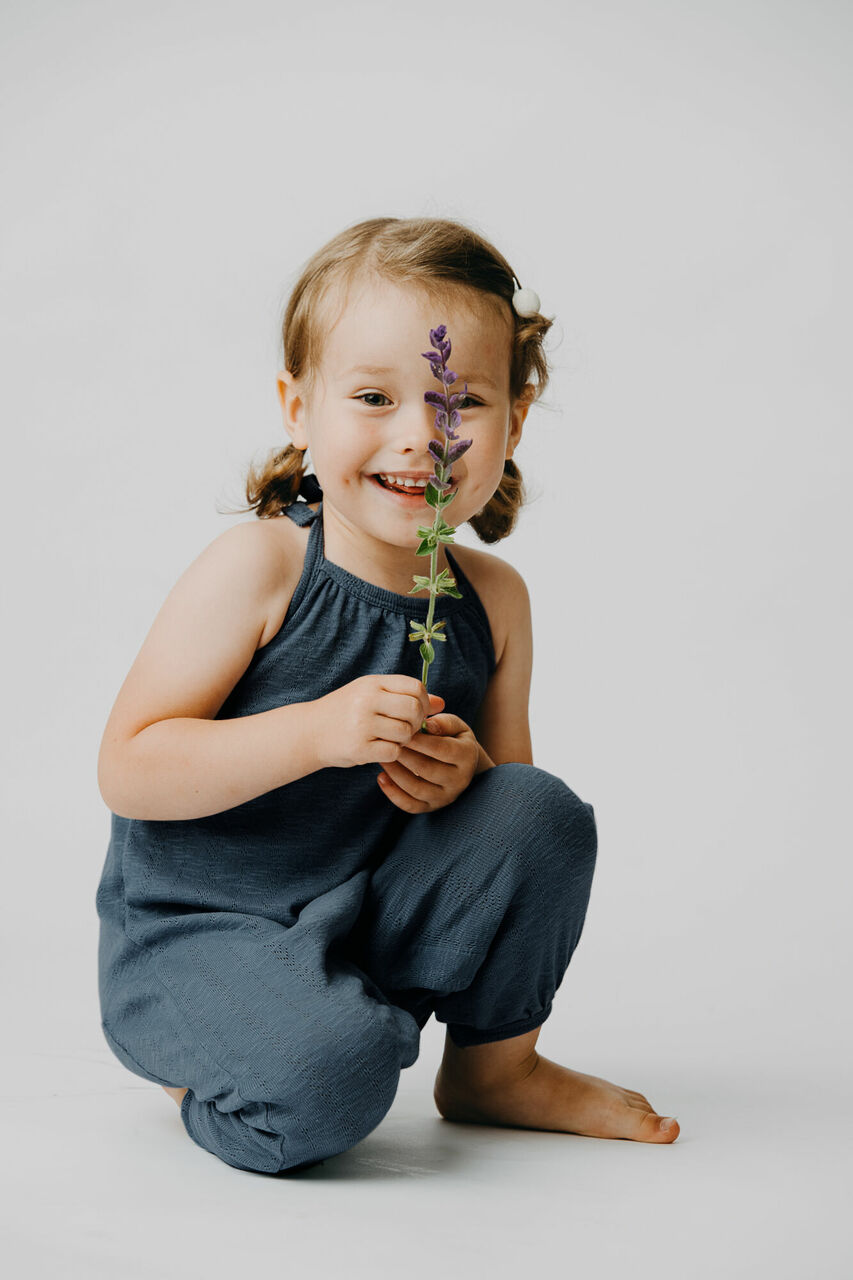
[396, 729]
[414, 784]
[435, 730]
[399, 797]
[423, 766]
[409, 711]
[444, 722]
[432, 744]
[411, 687]
[443, 750]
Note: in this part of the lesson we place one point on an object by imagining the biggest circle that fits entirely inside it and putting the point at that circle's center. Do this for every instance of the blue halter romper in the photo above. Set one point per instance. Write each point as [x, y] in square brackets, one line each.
[279, 959]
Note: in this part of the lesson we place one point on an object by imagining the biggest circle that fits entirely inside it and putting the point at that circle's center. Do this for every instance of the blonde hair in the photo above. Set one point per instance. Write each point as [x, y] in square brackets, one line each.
[429, 253]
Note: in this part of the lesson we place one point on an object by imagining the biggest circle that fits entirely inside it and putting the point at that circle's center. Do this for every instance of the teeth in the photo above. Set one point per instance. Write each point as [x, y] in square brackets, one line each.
[408, 482]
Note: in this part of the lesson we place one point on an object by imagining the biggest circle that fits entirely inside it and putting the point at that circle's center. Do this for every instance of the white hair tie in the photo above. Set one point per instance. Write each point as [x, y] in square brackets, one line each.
[525, 302]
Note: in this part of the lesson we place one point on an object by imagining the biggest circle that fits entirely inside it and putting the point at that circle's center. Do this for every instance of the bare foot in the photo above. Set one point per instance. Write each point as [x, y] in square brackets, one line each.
[556, 1098]
[177, 1094]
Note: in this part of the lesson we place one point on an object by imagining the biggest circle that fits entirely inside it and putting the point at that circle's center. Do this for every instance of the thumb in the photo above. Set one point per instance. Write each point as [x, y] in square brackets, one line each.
[436, 697]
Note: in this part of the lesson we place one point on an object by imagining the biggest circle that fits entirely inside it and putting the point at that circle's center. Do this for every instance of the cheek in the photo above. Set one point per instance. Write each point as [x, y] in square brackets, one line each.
[485, 462]
[341, 458]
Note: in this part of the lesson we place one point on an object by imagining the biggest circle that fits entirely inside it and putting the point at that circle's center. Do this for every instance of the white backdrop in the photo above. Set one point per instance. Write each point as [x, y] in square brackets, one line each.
[673, 178]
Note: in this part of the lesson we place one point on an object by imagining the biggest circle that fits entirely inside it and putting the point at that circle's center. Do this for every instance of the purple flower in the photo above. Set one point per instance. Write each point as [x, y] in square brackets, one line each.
[447, 417]
[445, 450]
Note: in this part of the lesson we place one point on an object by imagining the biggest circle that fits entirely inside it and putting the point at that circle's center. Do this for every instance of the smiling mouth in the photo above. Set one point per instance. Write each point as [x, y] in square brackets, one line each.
[414, 494]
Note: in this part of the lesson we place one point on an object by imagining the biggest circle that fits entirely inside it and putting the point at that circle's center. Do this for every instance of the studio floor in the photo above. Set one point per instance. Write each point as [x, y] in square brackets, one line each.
[103, 1181]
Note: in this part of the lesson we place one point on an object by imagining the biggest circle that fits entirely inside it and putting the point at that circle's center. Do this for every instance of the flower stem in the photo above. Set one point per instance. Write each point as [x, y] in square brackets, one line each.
[441, 531]
[433, 566]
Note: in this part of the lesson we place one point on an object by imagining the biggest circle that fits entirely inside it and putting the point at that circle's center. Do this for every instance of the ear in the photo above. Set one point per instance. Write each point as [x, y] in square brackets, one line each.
[517, 416]
[290, 395]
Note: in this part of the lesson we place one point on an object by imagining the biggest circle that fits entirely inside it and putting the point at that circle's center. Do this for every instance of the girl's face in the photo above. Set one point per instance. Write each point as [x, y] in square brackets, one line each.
[367, 414]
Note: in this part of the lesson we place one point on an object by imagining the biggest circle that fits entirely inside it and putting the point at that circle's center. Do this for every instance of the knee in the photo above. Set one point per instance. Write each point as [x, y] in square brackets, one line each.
[538, 810]
[527, 791]
[338, 1087]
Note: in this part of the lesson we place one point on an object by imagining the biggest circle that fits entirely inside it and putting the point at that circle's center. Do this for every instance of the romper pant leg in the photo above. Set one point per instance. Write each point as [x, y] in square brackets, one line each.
[290, 1055]
[290, 1040]
[476, 911]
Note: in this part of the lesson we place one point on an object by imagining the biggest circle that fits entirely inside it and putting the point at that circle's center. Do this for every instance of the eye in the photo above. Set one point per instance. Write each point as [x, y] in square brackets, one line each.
[467, 402]
[365, 395]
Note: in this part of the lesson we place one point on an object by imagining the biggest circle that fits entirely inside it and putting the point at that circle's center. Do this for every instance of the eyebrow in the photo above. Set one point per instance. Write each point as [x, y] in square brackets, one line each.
[479, 378]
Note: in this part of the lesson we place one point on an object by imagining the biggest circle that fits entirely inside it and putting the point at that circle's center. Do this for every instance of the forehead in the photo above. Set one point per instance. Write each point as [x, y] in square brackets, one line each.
[377, 322]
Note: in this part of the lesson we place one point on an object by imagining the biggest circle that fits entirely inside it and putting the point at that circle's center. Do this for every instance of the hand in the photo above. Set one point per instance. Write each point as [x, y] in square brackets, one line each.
[432, 768]
[370, 719]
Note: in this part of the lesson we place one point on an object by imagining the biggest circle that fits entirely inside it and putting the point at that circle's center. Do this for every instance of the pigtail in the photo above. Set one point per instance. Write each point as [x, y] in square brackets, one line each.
[498, 517]
[275, 483]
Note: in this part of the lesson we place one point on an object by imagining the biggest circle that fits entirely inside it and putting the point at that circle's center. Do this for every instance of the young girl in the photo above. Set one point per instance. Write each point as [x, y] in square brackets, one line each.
[297, 876]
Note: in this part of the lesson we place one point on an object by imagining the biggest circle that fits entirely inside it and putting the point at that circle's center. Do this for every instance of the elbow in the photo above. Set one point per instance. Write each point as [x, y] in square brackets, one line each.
[103, 782]
[109, 785]
[108, 796]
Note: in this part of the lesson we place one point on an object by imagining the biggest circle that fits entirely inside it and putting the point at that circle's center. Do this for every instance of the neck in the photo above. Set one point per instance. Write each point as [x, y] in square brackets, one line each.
[381, 563]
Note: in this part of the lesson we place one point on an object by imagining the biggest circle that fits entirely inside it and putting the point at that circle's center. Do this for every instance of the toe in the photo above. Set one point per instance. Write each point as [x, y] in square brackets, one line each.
[655, 1128]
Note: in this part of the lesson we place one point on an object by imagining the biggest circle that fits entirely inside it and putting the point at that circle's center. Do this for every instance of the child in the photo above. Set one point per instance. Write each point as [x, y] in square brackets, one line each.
[297, 876]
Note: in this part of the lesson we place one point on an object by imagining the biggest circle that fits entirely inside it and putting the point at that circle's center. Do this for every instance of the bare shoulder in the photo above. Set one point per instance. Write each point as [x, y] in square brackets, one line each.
[243, 566]
[203, 637]
[498, 584]
[240, 552]
[257, 544]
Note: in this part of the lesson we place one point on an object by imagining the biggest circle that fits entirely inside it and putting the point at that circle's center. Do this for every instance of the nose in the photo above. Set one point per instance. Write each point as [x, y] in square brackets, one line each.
[414, 428]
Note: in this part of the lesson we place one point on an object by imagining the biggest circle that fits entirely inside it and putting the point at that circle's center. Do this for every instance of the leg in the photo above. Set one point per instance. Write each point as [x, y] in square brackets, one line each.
[475, 914]
[285, 1054]
[510, 1084]
[476, 911]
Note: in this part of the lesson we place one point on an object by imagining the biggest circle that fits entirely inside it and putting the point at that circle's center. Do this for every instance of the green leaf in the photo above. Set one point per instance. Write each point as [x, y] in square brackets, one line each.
[427, 651]
[447, 585]
[432, 494]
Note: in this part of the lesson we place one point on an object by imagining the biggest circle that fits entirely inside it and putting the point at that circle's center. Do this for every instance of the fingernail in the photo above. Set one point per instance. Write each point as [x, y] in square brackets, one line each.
[668, 1122]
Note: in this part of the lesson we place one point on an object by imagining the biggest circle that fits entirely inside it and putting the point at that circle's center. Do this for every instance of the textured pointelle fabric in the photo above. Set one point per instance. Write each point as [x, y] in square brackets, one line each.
[280, 959]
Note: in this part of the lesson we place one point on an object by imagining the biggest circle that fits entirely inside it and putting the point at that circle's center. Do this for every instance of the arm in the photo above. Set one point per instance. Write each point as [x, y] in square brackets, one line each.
[188, 767]
[502, 726]
[163, 755]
